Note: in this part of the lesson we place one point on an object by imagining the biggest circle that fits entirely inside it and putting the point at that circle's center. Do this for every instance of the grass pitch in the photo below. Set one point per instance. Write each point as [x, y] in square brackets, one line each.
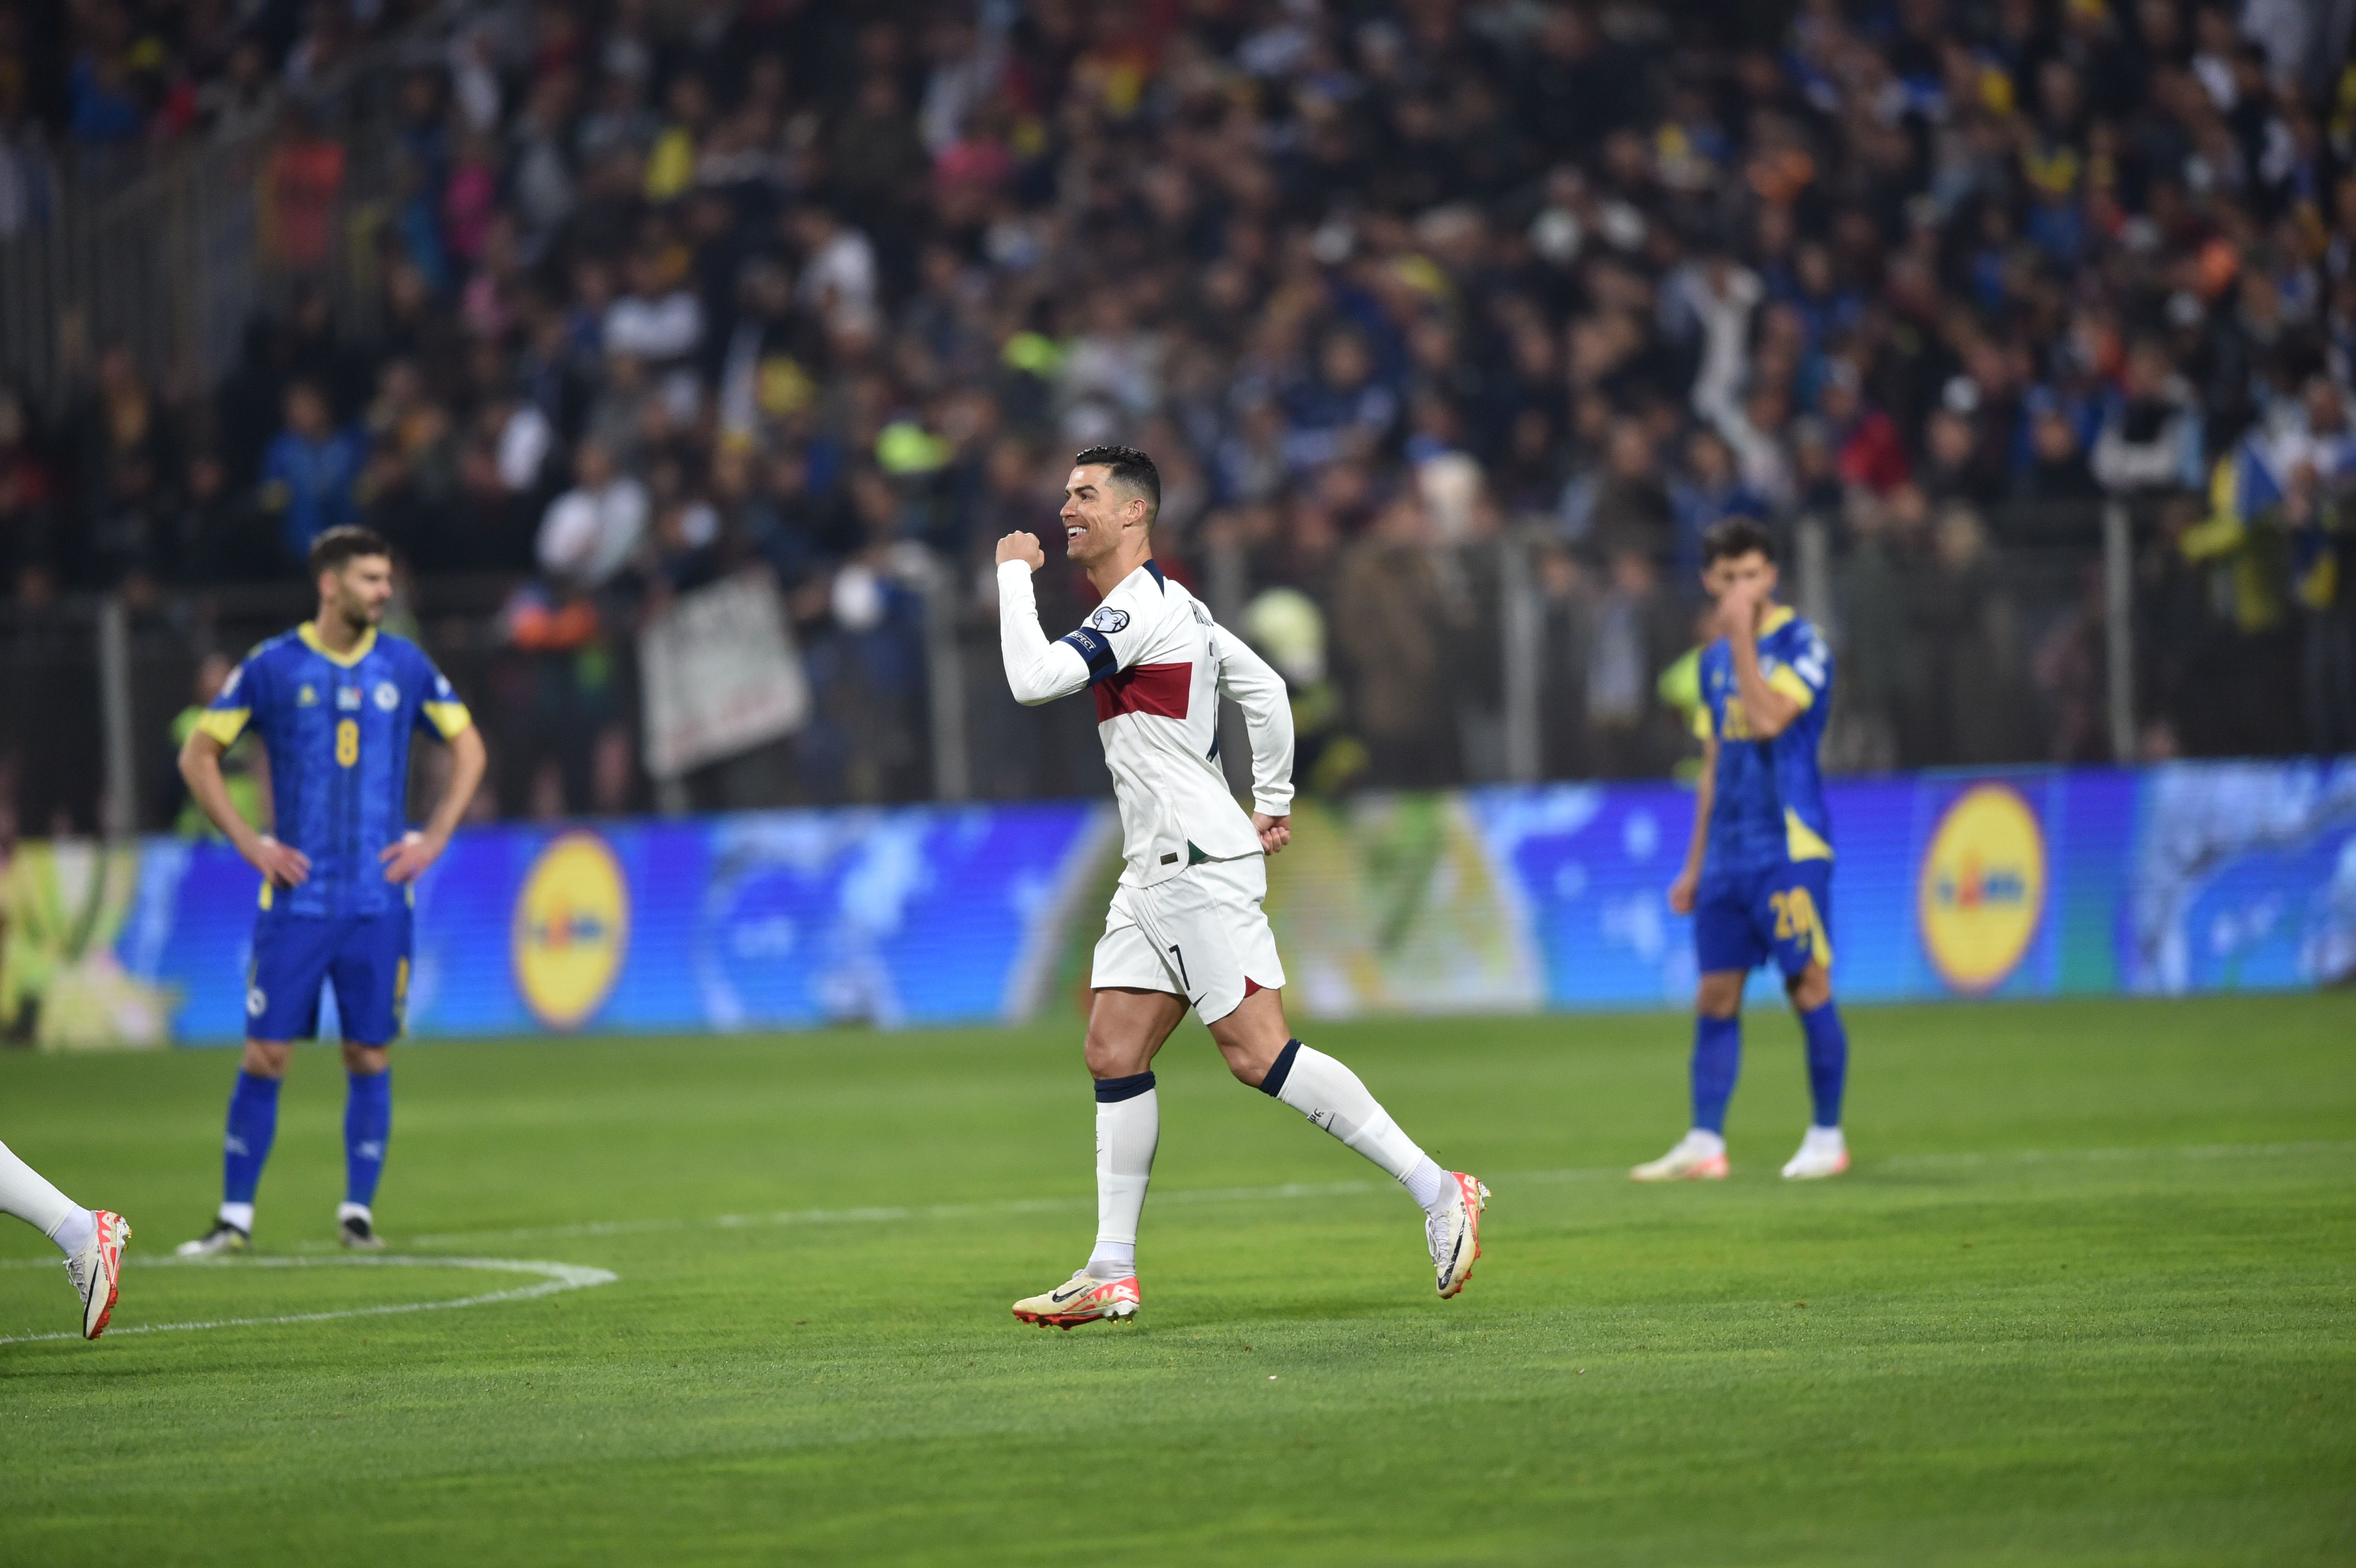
[2086, 1297]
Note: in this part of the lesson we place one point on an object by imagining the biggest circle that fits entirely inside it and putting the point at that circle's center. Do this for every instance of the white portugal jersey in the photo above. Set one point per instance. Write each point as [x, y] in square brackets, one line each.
[1157, 665]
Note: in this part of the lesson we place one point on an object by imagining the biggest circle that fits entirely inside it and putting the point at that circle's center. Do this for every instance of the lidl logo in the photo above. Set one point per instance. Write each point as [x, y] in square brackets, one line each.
[1982, 888]
[571, 930]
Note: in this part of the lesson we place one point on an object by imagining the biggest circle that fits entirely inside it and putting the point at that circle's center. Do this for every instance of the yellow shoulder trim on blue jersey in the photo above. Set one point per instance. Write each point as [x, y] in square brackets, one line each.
[1782, 678]
[224, 724]
[309, 632]
[447, 718]
[1701, 725]
[1801, 842]
[1778, 617]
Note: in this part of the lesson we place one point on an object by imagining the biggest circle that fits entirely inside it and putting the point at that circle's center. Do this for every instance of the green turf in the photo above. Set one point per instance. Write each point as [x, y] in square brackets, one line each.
[2085, 1298]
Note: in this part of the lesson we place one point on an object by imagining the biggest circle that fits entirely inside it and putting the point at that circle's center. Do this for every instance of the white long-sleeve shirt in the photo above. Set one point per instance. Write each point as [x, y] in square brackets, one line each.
[1157, 664]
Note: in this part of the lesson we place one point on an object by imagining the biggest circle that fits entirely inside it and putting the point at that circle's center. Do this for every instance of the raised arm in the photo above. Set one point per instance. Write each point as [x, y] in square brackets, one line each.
[1038, 670]
[1259, 691]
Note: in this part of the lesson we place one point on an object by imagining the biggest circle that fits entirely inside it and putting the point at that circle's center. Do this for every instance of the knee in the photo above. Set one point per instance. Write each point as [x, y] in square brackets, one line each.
[264, 1060]
[1811, 988]
[367, 1061]
[1108, 1060]
[1718, 995]
[1250, 1070]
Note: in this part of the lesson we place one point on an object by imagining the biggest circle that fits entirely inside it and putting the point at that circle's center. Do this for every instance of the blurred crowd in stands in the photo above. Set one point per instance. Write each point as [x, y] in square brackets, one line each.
[616, 297]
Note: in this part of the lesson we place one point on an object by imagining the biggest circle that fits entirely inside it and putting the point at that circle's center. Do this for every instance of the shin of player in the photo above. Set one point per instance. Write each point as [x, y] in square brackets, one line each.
[335, 703]
[1758, 871]
[91, 1239]
[1186, 927]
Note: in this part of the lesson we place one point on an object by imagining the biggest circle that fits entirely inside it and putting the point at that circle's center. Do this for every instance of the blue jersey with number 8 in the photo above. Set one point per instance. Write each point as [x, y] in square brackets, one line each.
[337, 730]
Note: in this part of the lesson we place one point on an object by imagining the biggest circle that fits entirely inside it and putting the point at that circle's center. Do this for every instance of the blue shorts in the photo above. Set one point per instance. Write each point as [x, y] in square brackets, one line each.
[365, 957]
[1782, 912]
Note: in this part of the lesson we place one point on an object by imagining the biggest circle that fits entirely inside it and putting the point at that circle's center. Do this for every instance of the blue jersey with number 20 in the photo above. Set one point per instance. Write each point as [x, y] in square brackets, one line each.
[336, 728]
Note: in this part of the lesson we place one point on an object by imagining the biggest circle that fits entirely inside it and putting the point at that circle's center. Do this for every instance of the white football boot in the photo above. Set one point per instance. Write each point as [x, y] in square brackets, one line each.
[97, 1271]
[1083, 1298]
[1698, 1157]
[1823, 1152]
[1455, 1234]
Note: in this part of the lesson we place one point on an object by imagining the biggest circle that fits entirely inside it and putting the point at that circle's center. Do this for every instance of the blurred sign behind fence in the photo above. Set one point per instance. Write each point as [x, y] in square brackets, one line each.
[2183, 878]
[720, 675]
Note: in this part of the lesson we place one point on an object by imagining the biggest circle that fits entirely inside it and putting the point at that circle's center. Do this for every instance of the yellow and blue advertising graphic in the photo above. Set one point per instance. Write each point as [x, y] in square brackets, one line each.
[1980, 895]
[2194, 877]
[572, 929]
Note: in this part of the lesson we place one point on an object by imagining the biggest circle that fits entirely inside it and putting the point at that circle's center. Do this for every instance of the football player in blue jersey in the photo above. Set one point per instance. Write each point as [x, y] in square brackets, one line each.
[334, 702]
[1758, 871]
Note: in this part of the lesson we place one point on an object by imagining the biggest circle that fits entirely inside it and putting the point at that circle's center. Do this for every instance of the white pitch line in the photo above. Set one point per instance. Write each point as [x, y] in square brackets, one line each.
[1297, 1189]
[1293, 1191]
[555, 1277]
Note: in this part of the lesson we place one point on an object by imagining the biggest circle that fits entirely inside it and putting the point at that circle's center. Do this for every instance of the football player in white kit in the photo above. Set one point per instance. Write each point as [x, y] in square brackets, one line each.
[1186, 927]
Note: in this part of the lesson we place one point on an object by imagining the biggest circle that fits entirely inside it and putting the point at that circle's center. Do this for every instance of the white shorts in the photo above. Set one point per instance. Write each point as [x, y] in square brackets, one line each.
[1199, 935]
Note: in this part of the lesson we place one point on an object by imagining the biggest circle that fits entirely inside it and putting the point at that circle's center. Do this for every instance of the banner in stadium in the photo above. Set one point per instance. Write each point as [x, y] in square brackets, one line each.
[2182, 878]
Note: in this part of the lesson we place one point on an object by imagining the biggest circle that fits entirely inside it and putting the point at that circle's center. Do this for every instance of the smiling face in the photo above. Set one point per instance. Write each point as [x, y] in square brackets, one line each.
[1100, 515]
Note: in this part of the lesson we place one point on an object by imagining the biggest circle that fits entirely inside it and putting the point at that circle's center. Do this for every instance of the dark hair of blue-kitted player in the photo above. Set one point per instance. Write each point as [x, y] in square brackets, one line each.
[1736, 537]
[348, 542]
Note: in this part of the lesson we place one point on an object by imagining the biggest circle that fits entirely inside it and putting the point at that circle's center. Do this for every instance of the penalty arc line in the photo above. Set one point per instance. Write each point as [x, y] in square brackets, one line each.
[555, 1277]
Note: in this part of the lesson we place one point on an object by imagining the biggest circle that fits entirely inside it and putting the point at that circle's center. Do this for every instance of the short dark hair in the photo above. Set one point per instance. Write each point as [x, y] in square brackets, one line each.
[332, 549]
[1130, 467]
[1734, 538]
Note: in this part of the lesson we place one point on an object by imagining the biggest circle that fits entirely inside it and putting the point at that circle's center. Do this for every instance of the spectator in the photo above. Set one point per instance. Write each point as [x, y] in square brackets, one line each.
[310, 473]
[594, 531]
[1395, 622]
[2150, 437]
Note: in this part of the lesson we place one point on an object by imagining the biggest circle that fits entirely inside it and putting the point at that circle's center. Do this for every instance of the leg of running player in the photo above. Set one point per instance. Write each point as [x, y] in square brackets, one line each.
[91, 1240]
[1700, 1154]
[1261, 1051]
[1126, 1026]
[1126, 1030]
[1823, 1151]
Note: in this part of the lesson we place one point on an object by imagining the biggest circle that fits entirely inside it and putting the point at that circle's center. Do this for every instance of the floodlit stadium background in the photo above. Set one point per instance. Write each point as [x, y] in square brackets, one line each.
[695, 356]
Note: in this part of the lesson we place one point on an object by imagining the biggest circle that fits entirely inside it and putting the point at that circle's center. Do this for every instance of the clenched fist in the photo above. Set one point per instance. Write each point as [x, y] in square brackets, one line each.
[1024, 547]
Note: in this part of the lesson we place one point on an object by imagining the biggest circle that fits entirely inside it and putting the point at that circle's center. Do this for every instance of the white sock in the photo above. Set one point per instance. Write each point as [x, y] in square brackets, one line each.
[1712, 1143]
[27, 1194]
[354, 1211]
[77, 1232]
[238, 1214]
[1128, 1128]
[1330, 1095]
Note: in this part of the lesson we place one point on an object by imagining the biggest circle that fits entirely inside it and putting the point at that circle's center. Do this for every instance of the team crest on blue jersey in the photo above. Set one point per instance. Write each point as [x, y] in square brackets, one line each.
[1108, 618]
[388, 695]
